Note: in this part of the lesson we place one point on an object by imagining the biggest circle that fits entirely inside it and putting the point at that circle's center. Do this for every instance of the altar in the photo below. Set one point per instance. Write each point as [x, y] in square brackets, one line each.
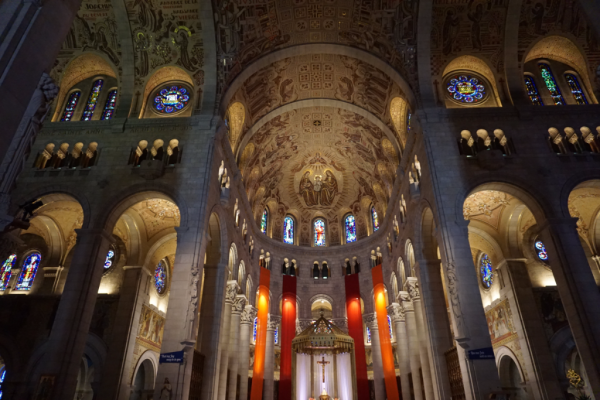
[323, 363]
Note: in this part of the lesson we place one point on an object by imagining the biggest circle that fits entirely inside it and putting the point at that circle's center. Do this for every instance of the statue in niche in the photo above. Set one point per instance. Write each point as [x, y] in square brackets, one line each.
[321, 192]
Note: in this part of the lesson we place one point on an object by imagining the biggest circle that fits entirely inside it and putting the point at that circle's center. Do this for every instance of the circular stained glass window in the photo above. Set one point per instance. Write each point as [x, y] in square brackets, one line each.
[487, 273]
[160, 277]
[541, 250]
[171, 99]
[110, 259]
[466, 89]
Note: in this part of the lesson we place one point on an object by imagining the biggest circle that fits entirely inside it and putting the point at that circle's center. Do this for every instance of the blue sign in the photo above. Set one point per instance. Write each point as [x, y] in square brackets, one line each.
[486, 353]
[175, 357]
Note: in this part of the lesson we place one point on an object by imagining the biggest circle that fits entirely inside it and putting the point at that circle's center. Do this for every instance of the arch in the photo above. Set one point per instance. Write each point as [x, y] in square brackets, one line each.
[232, 260]
[249, 285]
[163, 76]
[399, 112]
[375, 224]
[504, 356]
[241, 273]
[394, 286]
[29, 269]
[149, 361]
[319, 232]
[264, 221]
[478, 66]
[213, 247]
[410, 258]
[401, 271]
[427, 234]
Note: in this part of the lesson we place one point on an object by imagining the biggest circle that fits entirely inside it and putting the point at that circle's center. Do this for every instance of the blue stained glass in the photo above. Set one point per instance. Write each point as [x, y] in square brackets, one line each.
[532, 91]
[2, 377]
[5, 272]
[350, 223]
[160, 278]
[541, 250]
[88, 112]
[170, 100]
[319, 227]
[375, 219]
[466, 89]
[255, 329]
[551, 85]
[288, 230]
[263, 221]
[30, 267]
[578, 94]
[109, 107]
[390, 327]
[368, 335]
[276, 335]
[71, 106]
[408, 117]
[110, 257]
[487, 273]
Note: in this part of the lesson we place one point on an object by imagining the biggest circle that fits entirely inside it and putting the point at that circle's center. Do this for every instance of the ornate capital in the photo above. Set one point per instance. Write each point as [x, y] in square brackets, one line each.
[231, 291]
[274, 321]
[396, 312]
[370, 320]
[412, 287]
[238, 304]
[404, 299]
[248, 315]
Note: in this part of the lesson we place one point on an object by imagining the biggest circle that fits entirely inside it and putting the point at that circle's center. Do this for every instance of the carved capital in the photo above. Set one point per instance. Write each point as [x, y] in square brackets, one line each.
[248, 315]
[238, 304]
[273, 323]
[404, 299]
[412, 287]
[370, 320]
[231, 291]
[396, 312]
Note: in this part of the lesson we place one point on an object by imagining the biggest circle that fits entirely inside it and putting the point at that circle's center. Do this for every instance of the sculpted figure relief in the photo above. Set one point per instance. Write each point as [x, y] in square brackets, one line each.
[321, 192]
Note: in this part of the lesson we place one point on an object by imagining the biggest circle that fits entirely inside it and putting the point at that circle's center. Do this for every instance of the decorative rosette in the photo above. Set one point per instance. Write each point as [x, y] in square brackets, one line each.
[172, 99]
[466, 89]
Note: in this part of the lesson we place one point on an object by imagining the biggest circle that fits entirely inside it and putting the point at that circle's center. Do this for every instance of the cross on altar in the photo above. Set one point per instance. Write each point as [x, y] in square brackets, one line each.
[323, 363]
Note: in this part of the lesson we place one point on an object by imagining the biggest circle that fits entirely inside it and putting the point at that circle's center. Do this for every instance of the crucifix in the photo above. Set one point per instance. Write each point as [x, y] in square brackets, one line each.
[323, 363]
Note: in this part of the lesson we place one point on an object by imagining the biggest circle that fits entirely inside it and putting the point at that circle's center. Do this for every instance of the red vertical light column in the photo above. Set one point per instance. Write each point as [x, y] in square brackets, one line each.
[385, 341]
[288, 331]
[355, 329]
[261, 334]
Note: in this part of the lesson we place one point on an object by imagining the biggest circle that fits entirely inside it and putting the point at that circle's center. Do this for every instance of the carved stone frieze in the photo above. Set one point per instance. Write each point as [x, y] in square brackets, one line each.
[412, 287]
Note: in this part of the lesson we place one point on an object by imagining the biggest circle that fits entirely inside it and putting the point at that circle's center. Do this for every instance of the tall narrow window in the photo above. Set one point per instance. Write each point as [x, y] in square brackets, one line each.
[5, 272]
[368, 335]
[486, 270]
[109, 107]
[30, 267]
[160, 277]
[90, 106]
[408, 117]
[551, 84]
[319, 228]
[375, 219]
[288, 230]
[71, 106]
[390, 327]
[576, 90]
[254, 329]
[350, 223]
[532, 91]
[263, 221]
[276, 335]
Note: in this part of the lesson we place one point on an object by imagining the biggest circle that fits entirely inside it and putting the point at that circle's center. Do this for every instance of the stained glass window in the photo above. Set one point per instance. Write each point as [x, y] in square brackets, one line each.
[466, 89]
[575, 87]
[487, 273]
[276, 335]
[110, 258]
[71, 106]
[5, 272]
[171, 99]
[551, 85]
[541, 250]
[350, 223]
[532, 91]
[368, 335]
[408, 117]
[109, 107]
[319, 232]
[2, 377]
[255, 329]
[390, 327]
[263, 221]
[160, 277]
[88, 112]
[288, 230]
[30, 267]
[375, 219]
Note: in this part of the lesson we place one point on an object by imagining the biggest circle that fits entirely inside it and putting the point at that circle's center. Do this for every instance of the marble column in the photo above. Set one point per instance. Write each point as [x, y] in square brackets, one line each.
[412, 286]
[234, 345]
[378, 382]
[69, 333]
[269, 385]
[577, 289]
[230, 294]
[117, 371]
[396, 313]
[246, 322]
[413, 344]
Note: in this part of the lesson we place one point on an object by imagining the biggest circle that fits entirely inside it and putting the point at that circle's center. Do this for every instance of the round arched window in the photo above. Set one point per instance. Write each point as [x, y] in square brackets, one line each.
[171, 99]
[466, 89]
[486, 270]
[540, 249]
[160, 277]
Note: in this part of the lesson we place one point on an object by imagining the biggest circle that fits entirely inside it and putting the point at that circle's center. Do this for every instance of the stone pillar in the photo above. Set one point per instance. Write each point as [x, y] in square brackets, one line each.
[412, 286]
[230, 293]
[246, 321]
[117, 372]
[578, 291]
[72, 323]
[413, 344]
[234, 345]
[371, 321]
[269, 385]
[398, 317]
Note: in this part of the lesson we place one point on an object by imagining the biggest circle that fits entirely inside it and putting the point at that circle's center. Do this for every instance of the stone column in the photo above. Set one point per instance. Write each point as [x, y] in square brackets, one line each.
[577, 289]
[269, 384]
[246, 321]
[234, 345]
[230, 293]
[118, 365]
[72, 323]
[398, 317]
[412, 286]
[413, 343]
[378, 382]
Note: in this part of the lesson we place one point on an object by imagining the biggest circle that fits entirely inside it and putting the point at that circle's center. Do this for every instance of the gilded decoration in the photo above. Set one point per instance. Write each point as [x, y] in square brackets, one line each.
[158, 214]
[486, 206]
[150, 329]
[500, 324]
[322, 336]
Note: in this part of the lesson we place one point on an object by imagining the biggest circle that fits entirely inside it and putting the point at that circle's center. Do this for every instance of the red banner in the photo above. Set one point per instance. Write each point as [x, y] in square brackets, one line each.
[355, 329]
[288, 331]
[261, 334]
